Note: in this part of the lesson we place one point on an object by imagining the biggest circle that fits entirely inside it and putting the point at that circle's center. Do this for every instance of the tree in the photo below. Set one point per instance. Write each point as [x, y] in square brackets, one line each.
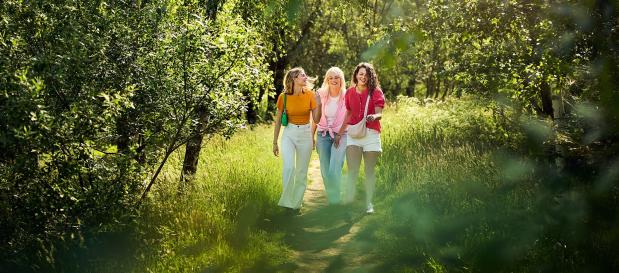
[285, 26]
[93, 96]
[204, 63]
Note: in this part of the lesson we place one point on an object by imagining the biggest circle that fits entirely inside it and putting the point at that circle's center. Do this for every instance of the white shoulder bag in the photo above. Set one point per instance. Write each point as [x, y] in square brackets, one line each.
[359, 129]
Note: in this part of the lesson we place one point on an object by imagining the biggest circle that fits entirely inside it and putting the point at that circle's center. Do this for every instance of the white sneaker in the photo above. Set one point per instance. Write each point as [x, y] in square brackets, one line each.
[370, 209]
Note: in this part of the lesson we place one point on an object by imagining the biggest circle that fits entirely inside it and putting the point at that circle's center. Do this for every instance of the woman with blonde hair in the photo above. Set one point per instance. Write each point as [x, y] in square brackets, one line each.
[331, 145]
[364, 104]
[297, 102]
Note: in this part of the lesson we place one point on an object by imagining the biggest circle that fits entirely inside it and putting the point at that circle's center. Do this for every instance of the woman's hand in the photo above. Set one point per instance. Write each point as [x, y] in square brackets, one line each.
[373, 117]
[378, 114]
[336, 140]
[275, 149]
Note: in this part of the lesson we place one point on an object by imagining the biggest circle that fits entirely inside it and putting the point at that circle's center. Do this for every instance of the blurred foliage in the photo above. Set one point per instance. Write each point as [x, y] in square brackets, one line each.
[540, 54]
[459, 197]
[94, 95]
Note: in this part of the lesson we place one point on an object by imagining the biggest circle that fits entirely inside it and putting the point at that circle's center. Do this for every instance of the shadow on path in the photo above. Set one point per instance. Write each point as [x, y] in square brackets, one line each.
[326, 238]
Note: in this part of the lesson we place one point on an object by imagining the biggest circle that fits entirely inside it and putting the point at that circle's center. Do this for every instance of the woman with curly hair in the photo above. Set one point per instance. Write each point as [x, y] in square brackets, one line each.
[364, 103]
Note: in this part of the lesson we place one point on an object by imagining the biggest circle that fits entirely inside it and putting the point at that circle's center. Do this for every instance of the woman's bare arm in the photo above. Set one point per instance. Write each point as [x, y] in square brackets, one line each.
[278, 125]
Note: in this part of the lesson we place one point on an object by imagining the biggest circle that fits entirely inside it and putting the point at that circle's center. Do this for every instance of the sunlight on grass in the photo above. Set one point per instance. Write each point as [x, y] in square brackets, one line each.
[447, 205]
[450, 197]
[219, 224]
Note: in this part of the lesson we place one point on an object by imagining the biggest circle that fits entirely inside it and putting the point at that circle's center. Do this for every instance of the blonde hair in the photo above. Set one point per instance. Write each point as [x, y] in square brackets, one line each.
[289, 80]
[334, 71]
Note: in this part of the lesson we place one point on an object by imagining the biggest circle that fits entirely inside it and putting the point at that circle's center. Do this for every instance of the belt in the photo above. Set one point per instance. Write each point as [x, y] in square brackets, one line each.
[298, 125]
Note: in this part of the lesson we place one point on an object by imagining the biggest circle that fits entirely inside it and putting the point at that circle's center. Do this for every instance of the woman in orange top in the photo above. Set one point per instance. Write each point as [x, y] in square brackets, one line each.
[301, 103]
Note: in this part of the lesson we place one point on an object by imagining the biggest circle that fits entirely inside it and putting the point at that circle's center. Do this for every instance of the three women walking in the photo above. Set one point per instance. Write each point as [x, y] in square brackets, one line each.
[333, 109]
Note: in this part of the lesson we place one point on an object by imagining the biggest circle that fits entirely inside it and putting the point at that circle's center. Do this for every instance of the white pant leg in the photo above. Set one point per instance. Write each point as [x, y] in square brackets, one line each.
[296, 154]
[303, 144]
[288, 170]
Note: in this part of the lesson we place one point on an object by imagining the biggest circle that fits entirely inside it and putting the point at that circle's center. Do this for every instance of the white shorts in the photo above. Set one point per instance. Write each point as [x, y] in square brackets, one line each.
[369, 143]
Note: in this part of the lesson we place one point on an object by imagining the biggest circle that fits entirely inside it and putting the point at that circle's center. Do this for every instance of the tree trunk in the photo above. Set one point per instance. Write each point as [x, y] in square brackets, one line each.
[410, 89]
[429, 88]
[546, 97]
[122, 127]
[282, 60]
[452, 86]
[278, 68]
[192, 154]
[193, 147]
[446, 87]
[437, 88]
[251, 115]
[140, 156]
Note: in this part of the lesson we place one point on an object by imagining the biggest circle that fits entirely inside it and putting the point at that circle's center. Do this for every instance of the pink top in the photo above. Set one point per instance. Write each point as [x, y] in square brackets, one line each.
[339, 116]
[355, 103]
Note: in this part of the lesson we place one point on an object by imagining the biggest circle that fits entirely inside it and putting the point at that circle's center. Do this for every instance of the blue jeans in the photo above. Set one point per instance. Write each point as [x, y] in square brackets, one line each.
[331, 163]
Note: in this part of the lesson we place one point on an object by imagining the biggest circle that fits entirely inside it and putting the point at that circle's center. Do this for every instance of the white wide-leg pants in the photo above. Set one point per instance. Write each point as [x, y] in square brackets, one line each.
[296, 150]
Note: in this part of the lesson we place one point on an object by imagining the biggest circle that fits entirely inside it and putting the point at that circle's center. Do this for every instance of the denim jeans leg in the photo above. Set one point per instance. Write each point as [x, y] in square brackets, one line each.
[335, 170]
[323, 145]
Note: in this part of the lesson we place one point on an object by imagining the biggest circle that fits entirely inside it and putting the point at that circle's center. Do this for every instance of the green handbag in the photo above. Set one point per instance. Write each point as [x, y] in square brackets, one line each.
[284, 115]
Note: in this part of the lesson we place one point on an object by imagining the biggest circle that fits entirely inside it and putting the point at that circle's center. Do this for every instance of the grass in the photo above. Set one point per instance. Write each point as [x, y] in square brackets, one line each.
[452, 196]
[221, 224]
[457, 197]
[455, 193]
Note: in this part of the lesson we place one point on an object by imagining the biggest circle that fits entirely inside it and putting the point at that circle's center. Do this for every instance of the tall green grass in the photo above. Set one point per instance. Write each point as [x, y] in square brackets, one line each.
[457, 197]
[452, 196]
[225, 222]
[221, 223]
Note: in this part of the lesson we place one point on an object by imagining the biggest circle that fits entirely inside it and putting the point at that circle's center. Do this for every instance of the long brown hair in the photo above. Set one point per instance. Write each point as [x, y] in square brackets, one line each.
[373, 82]
[289, 80]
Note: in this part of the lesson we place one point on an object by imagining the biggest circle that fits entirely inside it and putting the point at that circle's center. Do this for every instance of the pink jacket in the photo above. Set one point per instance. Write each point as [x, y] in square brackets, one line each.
[339, 117]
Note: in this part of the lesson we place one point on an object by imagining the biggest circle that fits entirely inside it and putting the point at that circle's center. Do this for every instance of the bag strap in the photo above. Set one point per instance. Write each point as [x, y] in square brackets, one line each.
[367, 102]
[284, 102]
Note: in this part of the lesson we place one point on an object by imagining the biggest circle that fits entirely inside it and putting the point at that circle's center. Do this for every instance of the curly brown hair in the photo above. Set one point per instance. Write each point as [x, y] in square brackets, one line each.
[373, 82]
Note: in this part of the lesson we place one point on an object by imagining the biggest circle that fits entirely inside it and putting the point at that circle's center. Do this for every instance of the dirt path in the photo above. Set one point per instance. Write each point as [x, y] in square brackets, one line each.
[327, 238]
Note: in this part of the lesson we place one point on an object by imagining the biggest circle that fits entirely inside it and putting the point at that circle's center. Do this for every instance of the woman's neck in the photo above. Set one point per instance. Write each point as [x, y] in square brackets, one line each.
[360, 88]
[297, 90]
[334, 91]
